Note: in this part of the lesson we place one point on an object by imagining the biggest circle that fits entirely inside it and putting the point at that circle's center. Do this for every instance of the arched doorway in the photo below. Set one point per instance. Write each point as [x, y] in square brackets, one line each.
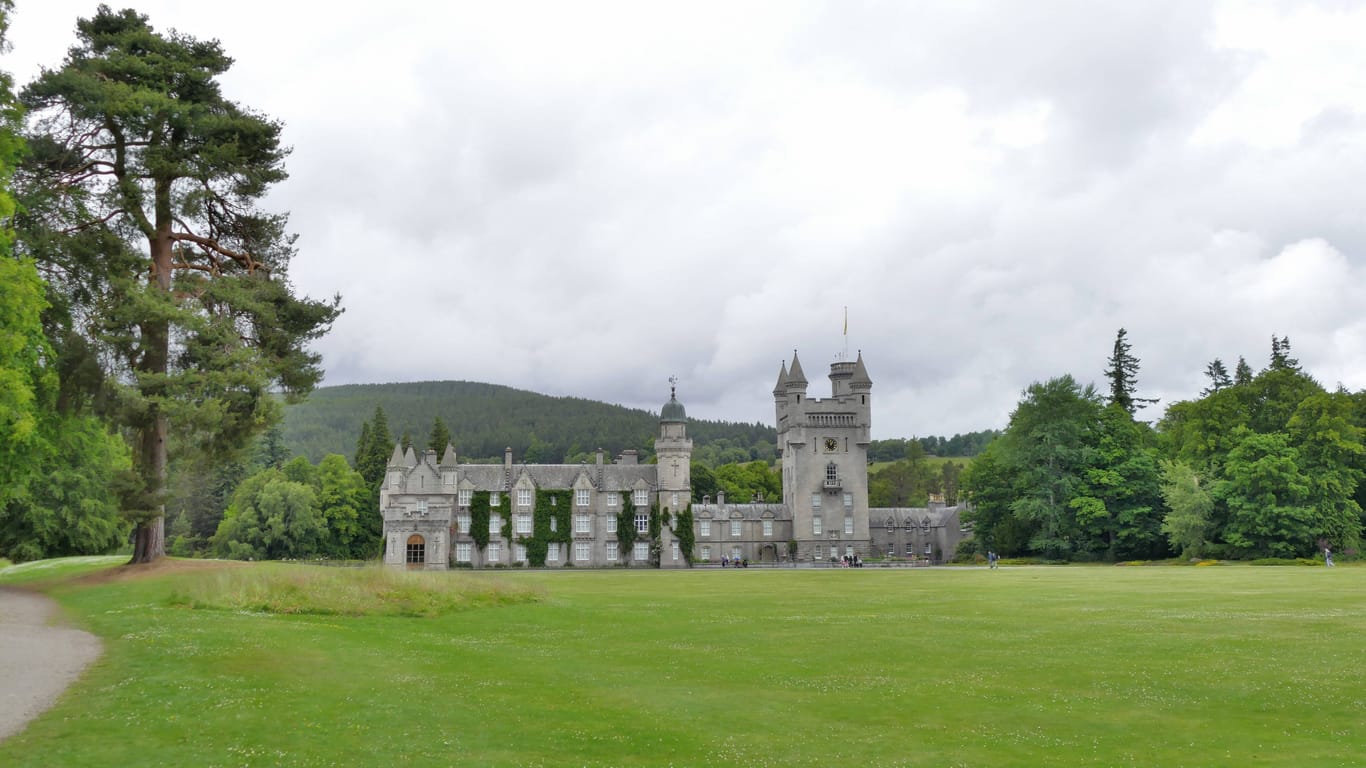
[768, 553]
[417, 551]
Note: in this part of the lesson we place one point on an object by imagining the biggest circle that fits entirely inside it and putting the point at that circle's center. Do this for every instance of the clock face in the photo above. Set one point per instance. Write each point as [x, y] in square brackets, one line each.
[831, 444]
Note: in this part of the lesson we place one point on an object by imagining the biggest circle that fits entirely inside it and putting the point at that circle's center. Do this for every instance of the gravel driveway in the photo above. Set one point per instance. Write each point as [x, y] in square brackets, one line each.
[38, 660]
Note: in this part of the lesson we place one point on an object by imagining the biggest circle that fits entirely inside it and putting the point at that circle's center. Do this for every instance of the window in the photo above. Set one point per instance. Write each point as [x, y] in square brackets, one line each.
[641, 498]
[581, 524]
[706, 554]
[523, 524]
[848, 501]
[816, 553]
[704, 529]
[768, 527]
[816, 526]
[675, 552]
[582, 551]
[642, 522]
[581, 497]
[495, 499]
[554, 523]
[928, 549]
[849, 550]
[910, 549]
[462, 523]
[612, 499]
[641, 551]
[848, 524]
[735, 529]
[611, 551]
[495, 524]
[417, 550]
[815, 501]
[463, 551]
[422, 507]
[464, 498]
[832, 473]
[673, 501]
[552, 552]
[495, 553]
[519, 553]
[523, 497]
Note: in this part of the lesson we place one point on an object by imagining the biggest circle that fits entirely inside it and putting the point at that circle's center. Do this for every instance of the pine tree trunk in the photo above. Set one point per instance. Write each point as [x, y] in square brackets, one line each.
[149, 541]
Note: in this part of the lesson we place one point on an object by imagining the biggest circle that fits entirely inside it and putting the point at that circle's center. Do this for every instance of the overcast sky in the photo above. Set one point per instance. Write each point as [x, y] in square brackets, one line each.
[582, 198]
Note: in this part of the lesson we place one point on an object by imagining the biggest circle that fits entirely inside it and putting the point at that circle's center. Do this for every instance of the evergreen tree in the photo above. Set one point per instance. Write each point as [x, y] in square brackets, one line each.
[1280, 355]
[1242, 374]
[1123, 375]
[439, 438]
[1218, 377]
[271, 451]
[362, 444]
[379, 447]
[140, 200]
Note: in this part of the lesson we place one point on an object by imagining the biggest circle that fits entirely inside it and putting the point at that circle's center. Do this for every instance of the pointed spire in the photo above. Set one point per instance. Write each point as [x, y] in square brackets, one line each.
[781, 386]
[410, 458]
[396, 459]
[860, 378]
[795, 376]
[448, 458]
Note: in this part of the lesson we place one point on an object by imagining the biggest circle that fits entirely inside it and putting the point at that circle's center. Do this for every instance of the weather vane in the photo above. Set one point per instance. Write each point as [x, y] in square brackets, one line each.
[673, 386]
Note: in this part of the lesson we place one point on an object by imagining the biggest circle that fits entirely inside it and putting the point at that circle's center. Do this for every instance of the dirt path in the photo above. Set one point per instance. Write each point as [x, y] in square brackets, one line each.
[38, 660]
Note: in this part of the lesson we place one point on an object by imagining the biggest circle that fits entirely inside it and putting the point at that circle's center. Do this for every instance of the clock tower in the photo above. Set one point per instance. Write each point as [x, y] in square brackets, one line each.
[824, 449]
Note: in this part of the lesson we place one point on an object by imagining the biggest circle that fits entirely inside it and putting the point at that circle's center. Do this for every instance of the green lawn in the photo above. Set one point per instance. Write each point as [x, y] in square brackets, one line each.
[1022, 666]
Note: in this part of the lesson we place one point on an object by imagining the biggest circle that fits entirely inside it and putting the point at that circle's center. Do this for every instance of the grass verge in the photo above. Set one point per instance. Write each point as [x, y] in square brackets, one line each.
[367, 591]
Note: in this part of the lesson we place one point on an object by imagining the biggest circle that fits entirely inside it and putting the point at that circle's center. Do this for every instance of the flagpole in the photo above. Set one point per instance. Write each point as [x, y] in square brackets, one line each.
[846, 332]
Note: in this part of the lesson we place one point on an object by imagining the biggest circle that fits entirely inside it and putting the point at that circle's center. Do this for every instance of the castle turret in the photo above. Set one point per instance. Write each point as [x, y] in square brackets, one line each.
[823, 443]
[674, 452]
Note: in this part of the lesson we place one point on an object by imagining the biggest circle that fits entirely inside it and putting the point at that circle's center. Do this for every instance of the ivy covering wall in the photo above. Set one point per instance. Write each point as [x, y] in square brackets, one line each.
[686, 536]
[481, 511]
[626, 525]
[551, 520]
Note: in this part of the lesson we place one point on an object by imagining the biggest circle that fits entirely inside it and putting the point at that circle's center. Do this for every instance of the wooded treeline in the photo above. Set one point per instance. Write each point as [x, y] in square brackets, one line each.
[484, 419]
[1261, 465]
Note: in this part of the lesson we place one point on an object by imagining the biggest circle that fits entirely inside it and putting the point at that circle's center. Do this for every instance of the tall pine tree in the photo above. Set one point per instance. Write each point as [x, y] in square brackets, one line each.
[440, 437]
[140, 201]
[1123, 375]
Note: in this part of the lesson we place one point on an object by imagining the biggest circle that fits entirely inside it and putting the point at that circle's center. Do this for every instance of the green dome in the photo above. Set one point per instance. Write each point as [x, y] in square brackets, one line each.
[673, 410]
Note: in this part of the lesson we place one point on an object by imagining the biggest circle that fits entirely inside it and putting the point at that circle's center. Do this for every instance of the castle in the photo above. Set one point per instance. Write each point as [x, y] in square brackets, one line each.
[439, 512]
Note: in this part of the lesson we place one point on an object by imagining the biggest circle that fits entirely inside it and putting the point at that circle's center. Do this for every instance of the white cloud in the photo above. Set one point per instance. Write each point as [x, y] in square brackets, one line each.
[586, 198]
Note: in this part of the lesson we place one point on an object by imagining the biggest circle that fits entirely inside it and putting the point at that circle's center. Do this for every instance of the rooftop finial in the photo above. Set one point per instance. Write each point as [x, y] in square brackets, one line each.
[673, 386]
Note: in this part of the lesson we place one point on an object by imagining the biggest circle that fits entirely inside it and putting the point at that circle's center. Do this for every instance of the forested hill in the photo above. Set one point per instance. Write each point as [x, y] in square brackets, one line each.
[483, 419]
